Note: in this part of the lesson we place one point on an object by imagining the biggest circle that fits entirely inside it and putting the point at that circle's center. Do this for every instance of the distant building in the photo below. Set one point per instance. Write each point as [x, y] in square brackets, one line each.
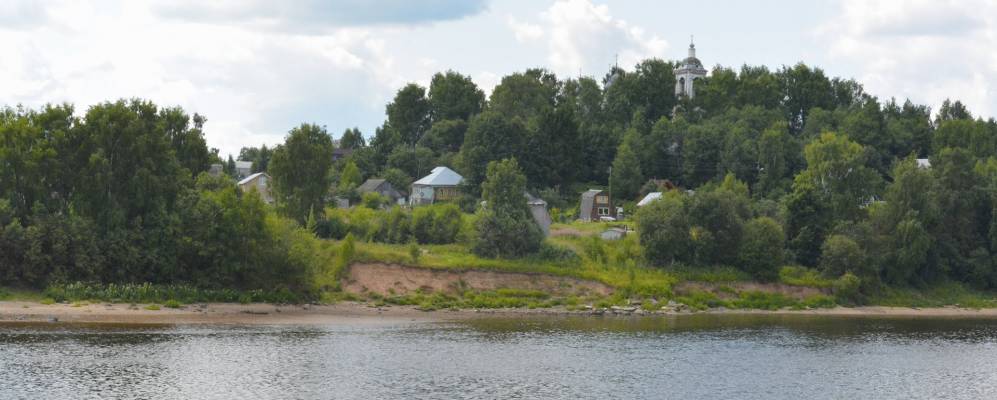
[538, 208]
[924, 163]
[688, 71]
[595, 205]
[339, 154]
[243, 169]
[259, 182]
[440, 185]
[381, 187]
[216, 170]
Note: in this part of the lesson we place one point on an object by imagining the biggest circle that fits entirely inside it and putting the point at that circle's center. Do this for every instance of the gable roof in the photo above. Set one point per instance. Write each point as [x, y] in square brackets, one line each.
[440, 176]
[649, 198]
[588, 199]
[251, 177]
[370, 185]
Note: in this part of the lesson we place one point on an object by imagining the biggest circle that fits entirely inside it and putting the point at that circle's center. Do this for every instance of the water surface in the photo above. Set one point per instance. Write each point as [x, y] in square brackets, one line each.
[688, 357]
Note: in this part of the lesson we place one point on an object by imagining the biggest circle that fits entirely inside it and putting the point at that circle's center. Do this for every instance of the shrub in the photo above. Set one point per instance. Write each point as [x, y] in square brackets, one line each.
[414, 252]
[761, 248]
[373, 200]
[802, 276]
[846, 288]
[555, 253]
[840, 255]
[172, 303]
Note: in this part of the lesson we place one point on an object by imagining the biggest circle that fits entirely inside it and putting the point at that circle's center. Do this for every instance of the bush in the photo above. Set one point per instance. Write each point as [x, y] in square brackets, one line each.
[505, 236]
[557, 254]
[846, 288]
[373, 200]
[761, 248]
[840, 255]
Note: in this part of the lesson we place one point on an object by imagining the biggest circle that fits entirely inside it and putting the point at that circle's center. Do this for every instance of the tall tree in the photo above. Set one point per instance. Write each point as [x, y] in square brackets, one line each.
[352, 139]
[408, 114]
[490, 137]
[300, 170]
[454, 96]
[504, 225]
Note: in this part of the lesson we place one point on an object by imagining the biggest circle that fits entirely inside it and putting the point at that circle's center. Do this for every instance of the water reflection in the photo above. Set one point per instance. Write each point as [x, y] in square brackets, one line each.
[700, 356]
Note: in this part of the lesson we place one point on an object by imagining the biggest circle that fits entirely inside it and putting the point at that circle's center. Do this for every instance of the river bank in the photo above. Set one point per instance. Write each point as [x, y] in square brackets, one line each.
[358, 313]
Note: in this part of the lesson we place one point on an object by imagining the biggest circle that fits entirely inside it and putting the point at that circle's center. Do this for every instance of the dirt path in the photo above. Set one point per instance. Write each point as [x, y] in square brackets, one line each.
[387, 279]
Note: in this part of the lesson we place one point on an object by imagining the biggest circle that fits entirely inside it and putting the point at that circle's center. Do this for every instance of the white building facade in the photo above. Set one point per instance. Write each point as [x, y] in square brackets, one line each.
[688, 71]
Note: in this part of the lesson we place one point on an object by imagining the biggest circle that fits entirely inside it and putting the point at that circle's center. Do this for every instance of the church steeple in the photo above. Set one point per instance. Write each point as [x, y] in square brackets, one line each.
[688, 71]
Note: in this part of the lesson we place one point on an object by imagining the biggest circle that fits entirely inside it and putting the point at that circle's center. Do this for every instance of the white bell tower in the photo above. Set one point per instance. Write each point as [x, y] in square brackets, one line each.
[687, 72]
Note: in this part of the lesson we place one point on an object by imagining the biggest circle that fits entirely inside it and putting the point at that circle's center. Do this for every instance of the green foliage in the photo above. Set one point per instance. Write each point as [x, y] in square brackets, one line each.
[300, 171]
[505, 227]
[802, 276]
[170, 295]
[373, 200]
[626, 178]
[840, 255]
[761, 248]
[846, 288]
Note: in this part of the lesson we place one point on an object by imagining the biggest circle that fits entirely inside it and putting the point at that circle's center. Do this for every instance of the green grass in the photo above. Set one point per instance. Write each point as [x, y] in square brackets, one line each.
[802, 276]
[172, 304]
[12, 294]
[149, 293]
[713, 274]
[939, 295]
[152, 307]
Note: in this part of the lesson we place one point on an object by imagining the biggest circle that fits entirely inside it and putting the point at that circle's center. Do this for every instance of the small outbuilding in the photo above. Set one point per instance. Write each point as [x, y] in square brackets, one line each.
[614, 233]
[381, 187]
[595, 205]
[243, 169]
[260, 182]
[440, 185]
[538, 208]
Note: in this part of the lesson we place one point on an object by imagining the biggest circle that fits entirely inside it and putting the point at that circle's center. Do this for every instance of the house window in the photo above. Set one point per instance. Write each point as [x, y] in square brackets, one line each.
[603, 211]
[602, 199]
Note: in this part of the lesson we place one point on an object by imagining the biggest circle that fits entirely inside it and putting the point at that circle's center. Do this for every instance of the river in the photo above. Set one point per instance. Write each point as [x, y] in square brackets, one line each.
[682, 357]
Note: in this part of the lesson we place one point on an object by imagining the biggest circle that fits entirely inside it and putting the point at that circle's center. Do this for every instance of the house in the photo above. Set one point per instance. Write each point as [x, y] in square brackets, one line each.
[538, 208]
[440, 185]
[381, 187]
[595, 205]
[259, 182]
[339, 154]
[216, 170]
[243, 169]
[924, 163]
[651, 197]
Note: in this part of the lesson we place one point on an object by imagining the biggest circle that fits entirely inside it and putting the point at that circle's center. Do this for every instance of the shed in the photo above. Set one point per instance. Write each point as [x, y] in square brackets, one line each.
[538, 208]
[381, 187]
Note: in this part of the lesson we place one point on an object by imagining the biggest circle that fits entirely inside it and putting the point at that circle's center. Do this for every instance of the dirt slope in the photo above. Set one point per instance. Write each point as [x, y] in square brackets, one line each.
[386, 279]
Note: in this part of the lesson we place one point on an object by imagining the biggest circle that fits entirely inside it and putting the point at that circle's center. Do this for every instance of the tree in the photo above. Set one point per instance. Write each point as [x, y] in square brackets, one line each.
[840, 255]
[553, 154]
[663, 229]
[505, 227]
[350, 177]
[761, 248]
[453, 96]
[408, 114]
[836, 169]
[804, 88]
[490, 137]
[445, 136]
[300, 170]
[626, 178]
[352, 139]
[523, 95]
[260, 157]
[187, 142]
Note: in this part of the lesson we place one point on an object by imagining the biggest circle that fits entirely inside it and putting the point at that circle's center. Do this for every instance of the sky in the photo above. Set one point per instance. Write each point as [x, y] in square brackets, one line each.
[257, 68]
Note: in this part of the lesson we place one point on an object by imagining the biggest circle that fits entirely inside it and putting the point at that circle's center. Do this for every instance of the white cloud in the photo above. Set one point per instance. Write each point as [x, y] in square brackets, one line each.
[923, 50]
[584, 37]
[525, 31]
[252, 85]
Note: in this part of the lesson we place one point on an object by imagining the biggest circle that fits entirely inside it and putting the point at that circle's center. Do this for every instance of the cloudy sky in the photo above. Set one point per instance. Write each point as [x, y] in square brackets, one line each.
[256, 68]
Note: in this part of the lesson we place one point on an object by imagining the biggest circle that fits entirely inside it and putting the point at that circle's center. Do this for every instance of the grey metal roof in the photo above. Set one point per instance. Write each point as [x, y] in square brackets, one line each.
[649, 198]
[588, 199]
[370, 185]
[243, 164]
[440, 176]
[251, 177]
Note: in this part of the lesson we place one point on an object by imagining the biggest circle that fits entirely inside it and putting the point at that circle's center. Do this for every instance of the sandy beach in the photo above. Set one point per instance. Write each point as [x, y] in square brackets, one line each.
[352, 313]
